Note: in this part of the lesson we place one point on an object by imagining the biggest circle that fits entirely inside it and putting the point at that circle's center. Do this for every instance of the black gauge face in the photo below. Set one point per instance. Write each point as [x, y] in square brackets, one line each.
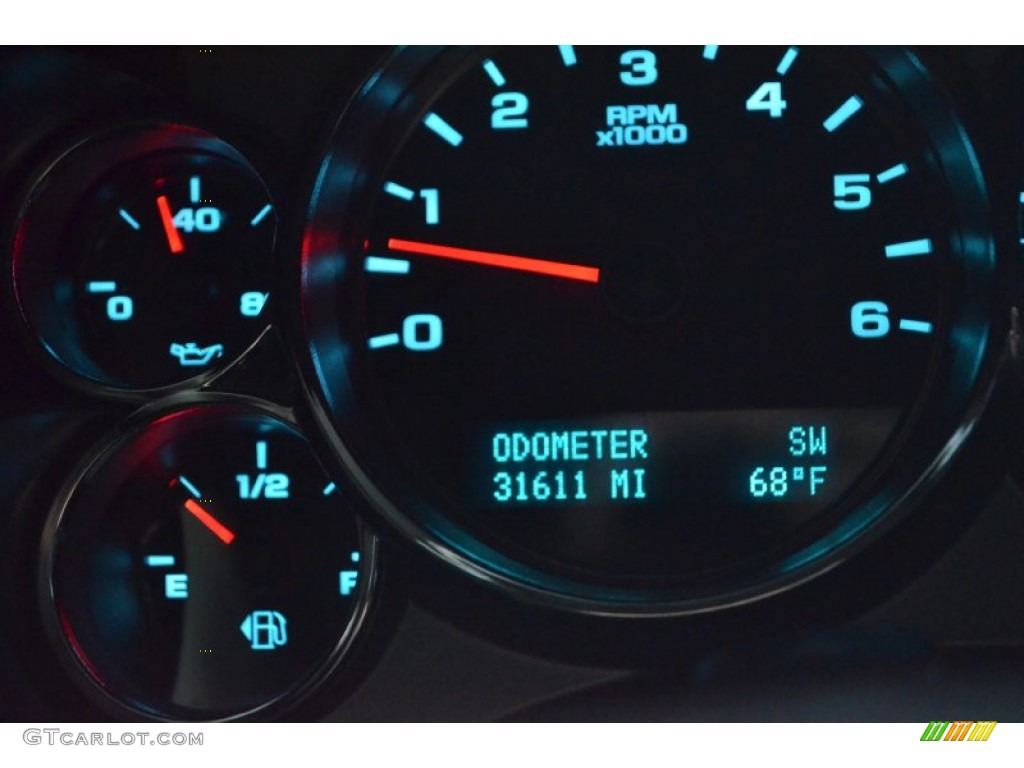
[172, 273]
[205, 567]
[647, 319]
[157, 271]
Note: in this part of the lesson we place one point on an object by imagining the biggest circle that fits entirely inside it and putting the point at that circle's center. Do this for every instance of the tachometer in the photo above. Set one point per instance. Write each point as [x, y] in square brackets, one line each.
[646, 328]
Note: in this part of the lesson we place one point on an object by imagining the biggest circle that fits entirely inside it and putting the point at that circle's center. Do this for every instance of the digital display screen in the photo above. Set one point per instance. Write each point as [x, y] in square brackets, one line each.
[760, 457]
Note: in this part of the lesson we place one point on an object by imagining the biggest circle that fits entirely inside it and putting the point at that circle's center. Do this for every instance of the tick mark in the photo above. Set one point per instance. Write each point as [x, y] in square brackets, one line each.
[849, 108]
[910, 248]
[440, 126]
[494, 73]
[261, 215]
[397, 190]
[787, 61]
[386, 266]
[893, 173]
[915, 326]
[384, 340]
[129, 219]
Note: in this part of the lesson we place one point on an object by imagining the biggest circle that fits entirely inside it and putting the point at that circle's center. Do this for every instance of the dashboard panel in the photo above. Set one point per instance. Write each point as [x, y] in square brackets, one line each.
[550, 383]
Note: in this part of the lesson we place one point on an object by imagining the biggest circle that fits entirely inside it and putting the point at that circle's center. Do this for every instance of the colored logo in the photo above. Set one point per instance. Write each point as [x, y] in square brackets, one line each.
[959, 731]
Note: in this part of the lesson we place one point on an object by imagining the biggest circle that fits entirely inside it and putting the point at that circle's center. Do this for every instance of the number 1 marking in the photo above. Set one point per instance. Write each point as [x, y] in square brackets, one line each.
[431, 199]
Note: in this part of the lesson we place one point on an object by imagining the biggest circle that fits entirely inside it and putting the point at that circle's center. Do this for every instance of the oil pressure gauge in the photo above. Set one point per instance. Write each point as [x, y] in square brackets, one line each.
[142, 259]
[202, 566]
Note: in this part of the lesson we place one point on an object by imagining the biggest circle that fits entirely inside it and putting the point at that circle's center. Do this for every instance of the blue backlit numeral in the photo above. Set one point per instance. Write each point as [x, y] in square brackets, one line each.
[869, 319]
[251, 303]
[422, 333]
[509, 111]
[764, 481]
[265, 485]
[851, 191]
[198, 219]
[767, 98]
[541, 486]
[120, 308]
[642, 68]
[432, 206]
[504, 490]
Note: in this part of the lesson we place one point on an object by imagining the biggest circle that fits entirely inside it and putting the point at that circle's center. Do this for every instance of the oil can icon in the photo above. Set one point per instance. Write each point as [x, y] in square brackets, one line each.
[265, 630]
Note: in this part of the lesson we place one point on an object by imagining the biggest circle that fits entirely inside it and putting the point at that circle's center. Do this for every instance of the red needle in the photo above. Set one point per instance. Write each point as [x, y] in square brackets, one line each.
[204, 517]
[520, 263]
[173, 238]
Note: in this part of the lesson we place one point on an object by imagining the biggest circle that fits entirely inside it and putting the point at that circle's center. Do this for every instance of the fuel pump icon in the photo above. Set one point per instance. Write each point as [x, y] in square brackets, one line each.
[265, 630]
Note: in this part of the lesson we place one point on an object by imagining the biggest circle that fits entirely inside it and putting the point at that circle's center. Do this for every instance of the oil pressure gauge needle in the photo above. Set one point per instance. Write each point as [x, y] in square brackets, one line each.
[219, 529]
[173, 238]
[501, 260]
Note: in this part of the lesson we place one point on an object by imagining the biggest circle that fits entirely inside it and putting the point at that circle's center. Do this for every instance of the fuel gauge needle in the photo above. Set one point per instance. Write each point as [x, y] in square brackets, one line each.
[219, 529]
[500, 260]
[166, 218]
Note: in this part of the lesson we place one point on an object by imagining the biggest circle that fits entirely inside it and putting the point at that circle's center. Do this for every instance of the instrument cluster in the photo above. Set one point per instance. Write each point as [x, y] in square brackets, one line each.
[555, 367]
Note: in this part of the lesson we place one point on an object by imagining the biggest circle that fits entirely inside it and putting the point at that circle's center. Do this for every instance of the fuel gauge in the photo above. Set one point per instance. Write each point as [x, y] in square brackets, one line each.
[204, 567]
[143, 259]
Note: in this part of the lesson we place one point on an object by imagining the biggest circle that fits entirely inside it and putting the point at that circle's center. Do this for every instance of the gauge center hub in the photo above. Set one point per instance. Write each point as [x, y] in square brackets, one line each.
[643, 283]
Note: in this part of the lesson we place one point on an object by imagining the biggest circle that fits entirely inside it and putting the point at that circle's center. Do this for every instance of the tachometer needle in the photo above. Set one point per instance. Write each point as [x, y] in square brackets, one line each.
[219, 529]
[502, 260]
[173, 238]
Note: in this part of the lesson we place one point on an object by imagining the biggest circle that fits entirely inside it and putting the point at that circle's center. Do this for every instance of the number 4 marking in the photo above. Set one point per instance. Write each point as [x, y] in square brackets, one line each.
[767, 98]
